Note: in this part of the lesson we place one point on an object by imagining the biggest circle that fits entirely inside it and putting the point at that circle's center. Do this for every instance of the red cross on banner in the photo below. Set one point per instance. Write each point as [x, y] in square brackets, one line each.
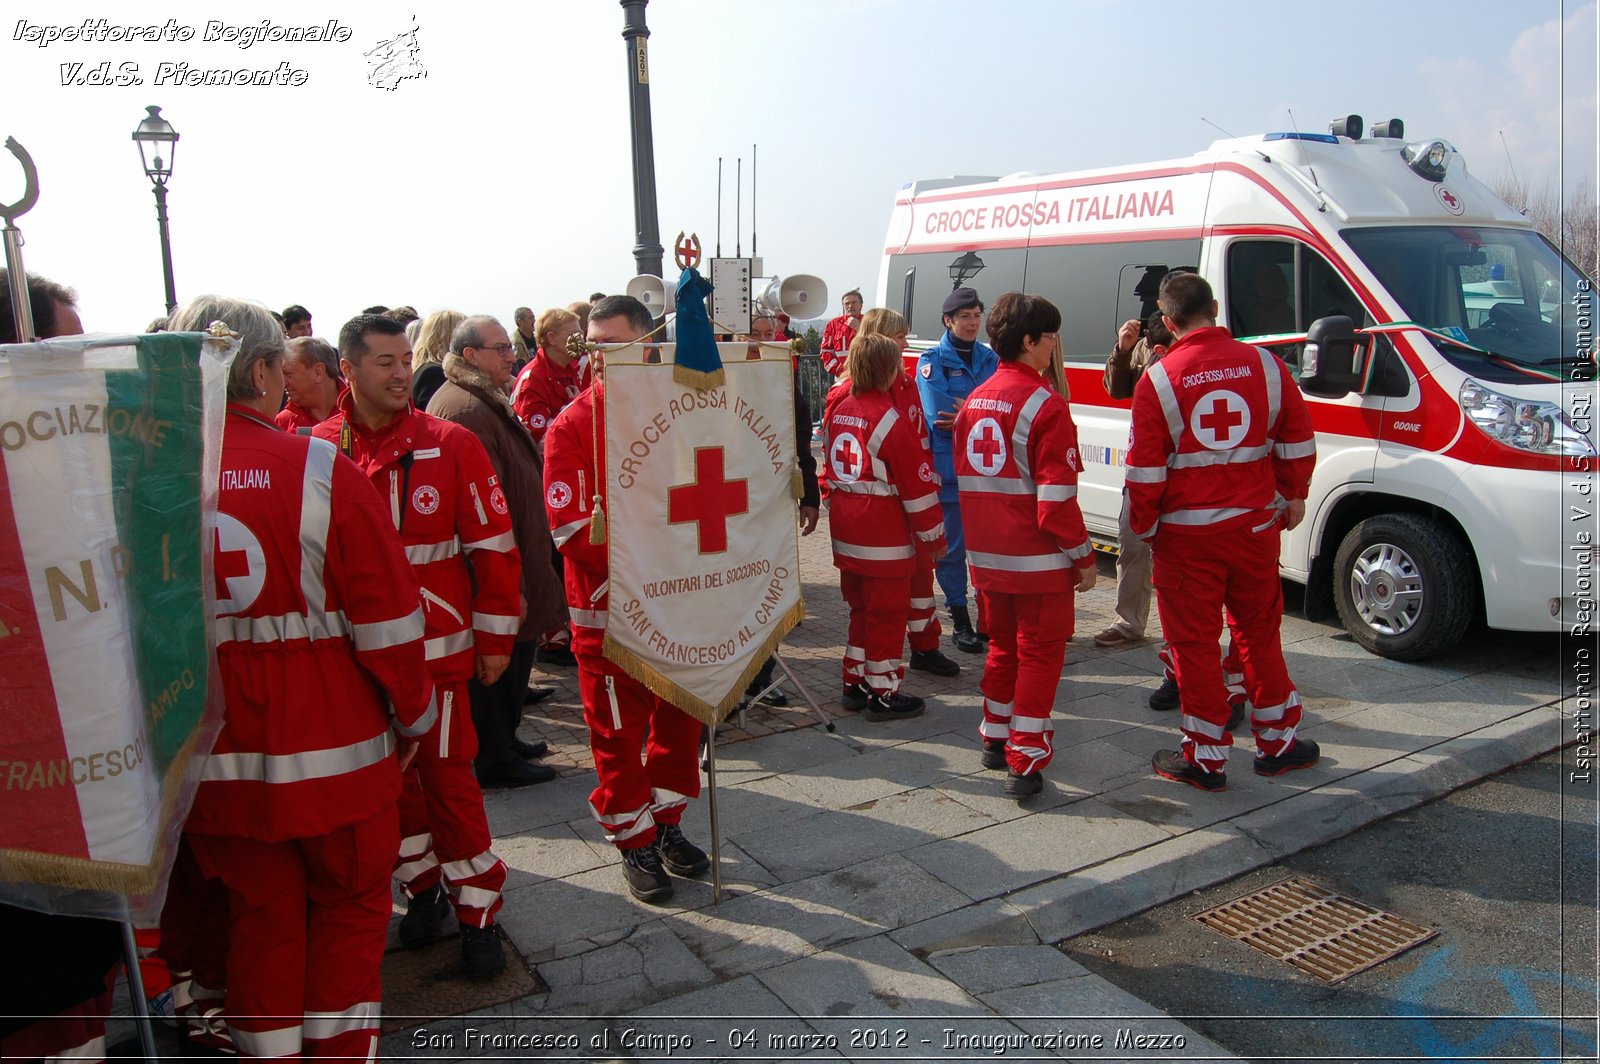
[709, 501]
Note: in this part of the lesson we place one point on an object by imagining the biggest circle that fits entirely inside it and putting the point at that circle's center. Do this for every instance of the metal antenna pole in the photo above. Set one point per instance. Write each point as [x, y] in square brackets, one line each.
[753, 252]
[647, 249]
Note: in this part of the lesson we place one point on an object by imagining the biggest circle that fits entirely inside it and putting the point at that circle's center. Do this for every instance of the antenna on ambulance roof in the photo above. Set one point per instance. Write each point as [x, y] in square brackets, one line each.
[752, 201]
[719, 206]
[1322, 203]
[1505, 148]
[1232, 136]
[738, 209]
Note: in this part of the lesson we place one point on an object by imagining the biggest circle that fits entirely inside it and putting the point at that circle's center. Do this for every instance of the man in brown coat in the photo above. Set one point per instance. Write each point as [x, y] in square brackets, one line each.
[475, 395]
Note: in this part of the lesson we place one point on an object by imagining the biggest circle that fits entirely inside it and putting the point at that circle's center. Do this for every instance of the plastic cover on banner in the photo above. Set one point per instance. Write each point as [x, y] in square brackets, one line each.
[109, 457]
[702, 541]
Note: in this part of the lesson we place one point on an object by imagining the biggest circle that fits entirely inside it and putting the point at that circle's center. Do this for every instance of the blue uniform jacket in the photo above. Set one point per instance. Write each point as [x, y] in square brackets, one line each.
[944, 382]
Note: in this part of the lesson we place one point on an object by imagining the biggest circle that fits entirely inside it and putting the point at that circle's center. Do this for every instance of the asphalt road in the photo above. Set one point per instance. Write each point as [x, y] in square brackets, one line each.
[1505, 869]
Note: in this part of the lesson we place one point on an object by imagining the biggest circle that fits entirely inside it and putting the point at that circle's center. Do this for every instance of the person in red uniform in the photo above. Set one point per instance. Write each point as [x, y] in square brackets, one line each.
[838, 333]
[1219, 462]
[885, 522]
[638, 803]
[1017, 466]
[312, 381]
[451, 514]
[554, 376]
[319, 632]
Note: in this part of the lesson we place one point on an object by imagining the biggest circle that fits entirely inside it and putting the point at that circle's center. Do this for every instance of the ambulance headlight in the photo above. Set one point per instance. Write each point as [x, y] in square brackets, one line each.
[1542, 428]
[1430, 158]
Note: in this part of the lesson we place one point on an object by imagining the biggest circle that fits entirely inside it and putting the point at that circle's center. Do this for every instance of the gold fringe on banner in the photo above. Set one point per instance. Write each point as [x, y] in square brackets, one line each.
[700, 380]
[797, 483]
[692, 704]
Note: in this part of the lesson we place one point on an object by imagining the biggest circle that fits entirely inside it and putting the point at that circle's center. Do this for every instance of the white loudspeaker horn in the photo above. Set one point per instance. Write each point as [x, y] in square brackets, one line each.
[799, 295]
[653, 292]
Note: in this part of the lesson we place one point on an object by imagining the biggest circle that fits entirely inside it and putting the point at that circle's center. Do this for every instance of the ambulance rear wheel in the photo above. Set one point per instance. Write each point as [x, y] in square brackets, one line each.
[1404, 586]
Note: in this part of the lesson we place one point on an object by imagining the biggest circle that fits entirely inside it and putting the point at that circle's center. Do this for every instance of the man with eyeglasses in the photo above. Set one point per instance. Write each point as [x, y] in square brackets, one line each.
[476, 395]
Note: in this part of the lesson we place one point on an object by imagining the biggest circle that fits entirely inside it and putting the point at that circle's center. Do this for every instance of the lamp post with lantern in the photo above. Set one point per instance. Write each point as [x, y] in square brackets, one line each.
[158, 143]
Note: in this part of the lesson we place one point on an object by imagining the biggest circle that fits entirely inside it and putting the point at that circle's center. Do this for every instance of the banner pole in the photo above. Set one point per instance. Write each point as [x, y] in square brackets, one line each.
[141, 1007]
[805, 692]
[716, 831]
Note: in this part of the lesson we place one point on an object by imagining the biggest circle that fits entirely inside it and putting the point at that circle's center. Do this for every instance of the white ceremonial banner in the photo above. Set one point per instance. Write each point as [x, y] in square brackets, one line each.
[700, 516]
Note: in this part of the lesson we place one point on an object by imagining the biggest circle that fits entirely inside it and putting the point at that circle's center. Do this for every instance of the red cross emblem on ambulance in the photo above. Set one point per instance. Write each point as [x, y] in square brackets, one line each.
[1220, 420]
[986, 447]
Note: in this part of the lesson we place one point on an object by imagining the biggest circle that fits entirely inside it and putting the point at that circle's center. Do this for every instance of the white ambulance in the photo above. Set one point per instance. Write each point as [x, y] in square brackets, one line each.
[1445, 434]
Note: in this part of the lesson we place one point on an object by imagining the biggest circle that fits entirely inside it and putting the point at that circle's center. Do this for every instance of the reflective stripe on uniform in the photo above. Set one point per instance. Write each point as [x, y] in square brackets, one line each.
[1057, 492]
[1269, 368]
[587, 618]
[495, 623]
[280, 629]
[874, 554]
[932, 534]
[920, 503]
[1145, 474]
[1202, 727]
[1024, 428]
[1169, 402]
[421, 725]
[1303, 449]
[996, 485]
[380, 635]
[283, 1042]
[296, 768]
[426, 553]
[865, 487]
[472, 866]
[361, 1016]
[500, 544]
[1020, 563]
[1194, 459]
[1019, 723]
[565, 532]
[1203, 517]
[443, 646]
[475, 898]
[316, 513]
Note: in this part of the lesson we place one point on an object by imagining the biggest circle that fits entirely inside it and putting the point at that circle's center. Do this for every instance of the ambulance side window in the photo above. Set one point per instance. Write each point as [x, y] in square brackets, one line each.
[1281, 286]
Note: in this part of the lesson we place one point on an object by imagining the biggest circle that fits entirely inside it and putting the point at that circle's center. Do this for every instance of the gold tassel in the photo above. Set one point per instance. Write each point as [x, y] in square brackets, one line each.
[797, 483]
[597, 523]
[698, 380]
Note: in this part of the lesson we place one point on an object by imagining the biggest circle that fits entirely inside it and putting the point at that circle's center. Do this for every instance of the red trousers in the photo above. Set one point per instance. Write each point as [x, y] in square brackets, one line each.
[922, 627]
[1232, 671]
[194, 943]
[442, 825]
[1027, 644]
[879, 607]
[307, 922]
[1196, 578]
[636, 793]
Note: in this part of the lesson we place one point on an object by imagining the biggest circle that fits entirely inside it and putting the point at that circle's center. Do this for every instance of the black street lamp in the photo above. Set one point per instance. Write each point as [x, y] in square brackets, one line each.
[158, 143]
[964, 269]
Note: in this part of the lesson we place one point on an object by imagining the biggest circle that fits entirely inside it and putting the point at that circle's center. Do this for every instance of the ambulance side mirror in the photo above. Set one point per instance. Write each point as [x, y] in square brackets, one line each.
[1335, 358]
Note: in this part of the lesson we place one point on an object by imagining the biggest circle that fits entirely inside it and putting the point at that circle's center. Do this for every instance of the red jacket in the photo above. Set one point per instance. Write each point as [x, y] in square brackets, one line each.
[450, 510]
[1016, 461]
[907, 402]
[319, 642]
[883, 494]
[294, 417]
[574, 472]
[543, 390]
[1221, 438]
[836, 339]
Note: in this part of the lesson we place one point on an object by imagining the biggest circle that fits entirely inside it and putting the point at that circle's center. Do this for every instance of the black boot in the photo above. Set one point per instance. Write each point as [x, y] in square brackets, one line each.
[962, 635]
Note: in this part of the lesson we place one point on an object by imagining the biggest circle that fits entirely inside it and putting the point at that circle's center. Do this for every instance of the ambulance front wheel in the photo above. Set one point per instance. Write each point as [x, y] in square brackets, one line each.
[1404, 586]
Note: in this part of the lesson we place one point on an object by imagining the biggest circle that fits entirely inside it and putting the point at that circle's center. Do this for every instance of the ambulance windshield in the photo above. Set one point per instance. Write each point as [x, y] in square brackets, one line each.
[1505, 291]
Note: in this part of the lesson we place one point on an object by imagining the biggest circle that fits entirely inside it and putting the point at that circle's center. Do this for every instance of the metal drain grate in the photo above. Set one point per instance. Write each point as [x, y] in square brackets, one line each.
[1322, 933]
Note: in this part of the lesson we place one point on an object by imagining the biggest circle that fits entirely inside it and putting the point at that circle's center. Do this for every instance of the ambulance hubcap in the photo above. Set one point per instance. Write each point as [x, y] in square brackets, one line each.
[1386, 587]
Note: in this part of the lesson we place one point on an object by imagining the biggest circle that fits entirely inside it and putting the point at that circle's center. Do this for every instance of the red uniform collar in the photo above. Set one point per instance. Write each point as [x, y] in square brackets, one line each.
[252, 415]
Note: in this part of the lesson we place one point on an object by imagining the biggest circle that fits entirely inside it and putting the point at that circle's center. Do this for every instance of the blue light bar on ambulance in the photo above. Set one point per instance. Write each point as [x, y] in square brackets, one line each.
[1320, 138]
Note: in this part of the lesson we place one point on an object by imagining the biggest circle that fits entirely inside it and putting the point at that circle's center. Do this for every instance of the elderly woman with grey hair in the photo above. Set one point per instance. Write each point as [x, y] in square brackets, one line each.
[319, 632]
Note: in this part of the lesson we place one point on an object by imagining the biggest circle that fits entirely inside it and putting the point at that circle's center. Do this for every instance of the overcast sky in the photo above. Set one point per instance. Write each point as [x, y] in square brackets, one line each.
[504, 176]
